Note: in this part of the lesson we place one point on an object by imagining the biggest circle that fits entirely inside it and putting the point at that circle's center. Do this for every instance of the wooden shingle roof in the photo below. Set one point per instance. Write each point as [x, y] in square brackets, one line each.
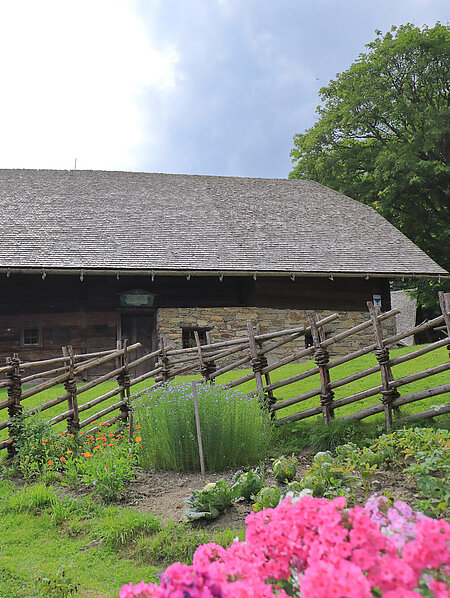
[137, 221]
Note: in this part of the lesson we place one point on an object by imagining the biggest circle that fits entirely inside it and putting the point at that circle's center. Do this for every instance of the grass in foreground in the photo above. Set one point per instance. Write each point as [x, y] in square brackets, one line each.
[48, 540]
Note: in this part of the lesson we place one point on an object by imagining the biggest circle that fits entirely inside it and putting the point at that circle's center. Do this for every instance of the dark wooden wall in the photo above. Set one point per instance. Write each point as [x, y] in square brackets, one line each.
[88, 312]
[22, 294]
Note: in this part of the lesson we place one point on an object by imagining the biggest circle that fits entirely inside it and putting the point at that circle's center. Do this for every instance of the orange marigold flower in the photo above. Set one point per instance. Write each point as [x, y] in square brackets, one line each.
[88, 454]
[106, 467]
[103, 438]
[108, 424]
[138, 439]
[110, 444]
[102, 423]
[69, 452]
[63, 459]
[91, 438]
[138, 427]
[44, 441]
[71, 435]
[104, 444]
[50, 462]
[111, 433]
[97, 448]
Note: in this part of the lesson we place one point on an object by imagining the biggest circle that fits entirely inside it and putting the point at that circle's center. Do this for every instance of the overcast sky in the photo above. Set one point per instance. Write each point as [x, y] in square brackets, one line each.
[178, 86]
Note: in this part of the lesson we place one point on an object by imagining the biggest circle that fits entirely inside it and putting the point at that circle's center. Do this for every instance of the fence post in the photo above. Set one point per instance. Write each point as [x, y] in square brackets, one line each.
[206, 368]
[14, 395]
[262, 357]
[163, 361]
[209, 363]
[444, 302]
[73, 421]
[123, 379]
[382, 354]
[322, 357]
[258, 362]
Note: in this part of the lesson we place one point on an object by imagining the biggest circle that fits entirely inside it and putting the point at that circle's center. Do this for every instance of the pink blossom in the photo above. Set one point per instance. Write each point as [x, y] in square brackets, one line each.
[319, 548]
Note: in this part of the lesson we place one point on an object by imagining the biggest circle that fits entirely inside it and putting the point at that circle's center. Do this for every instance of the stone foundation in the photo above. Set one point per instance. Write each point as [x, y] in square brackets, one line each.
[226, 323]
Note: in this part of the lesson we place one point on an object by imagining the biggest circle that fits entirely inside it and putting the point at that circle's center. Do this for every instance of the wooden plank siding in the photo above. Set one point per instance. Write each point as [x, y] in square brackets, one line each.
[87, 313]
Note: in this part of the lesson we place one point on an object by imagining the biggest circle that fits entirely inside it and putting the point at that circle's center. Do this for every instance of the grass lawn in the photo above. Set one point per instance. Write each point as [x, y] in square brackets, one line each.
[100, 548]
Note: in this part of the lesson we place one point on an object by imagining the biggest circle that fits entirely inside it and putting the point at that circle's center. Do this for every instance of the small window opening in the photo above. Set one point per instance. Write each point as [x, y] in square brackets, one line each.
[188, 336]
[31, 337]
[308, 340]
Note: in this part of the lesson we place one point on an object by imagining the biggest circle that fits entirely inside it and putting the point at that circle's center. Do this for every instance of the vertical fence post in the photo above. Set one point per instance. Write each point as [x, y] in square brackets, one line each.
[206, 368]
[14, 394]
[322, 358]
[73, 421]
[258, 363]
[209, 363]
[382, 354]
[163, 361]
[123, 379]
[263, 360]
[444, 301]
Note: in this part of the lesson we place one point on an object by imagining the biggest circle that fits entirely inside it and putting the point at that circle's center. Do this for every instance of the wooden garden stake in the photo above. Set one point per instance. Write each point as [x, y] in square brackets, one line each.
[382, 354]
[322, 359]
[197, 425]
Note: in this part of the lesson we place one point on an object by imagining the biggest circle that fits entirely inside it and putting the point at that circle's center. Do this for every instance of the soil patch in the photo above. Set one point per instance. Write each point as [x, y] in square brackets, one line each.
[163, 493]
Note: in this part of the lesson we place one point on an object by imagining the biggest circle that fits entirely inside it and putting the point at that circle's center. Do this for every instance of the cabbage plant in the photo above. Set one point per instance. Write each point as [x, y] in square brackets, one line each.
[247, 484]
[267, 497]
[209, 502]
[284, 469]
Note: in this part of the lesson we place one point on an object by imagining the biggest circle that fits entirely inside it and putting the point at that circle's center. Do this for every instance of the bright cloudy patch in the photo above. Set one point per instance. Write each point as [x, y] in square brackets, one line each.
[73, 76]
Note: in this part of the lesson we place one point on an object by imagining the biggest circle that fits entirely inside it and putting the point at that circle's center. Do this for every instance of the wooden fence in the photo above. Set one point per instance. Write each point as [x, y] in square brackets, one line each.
[249, 351]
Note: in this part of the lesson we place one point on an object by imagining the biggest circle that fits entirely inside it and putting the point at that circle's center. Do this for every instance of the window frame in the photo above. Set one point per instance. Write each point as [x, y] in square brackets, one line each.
[189, 342]
[28, 345]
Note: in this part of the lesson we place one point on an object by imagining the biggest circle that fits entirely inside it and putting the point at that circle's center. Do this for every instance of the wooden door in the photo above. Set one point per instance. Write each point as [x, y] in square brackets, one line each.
[140, 328]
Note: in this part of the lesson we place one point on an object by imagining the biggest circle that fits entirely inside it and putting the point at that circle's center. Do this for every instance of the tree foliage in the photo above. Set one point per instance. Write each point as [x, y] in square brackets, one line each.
[383, 136]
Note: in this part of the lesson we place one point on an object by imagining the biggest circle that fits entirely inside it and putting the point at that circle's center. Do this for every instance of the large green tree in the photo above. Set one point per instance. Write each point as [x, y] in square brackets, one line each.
[383, 137]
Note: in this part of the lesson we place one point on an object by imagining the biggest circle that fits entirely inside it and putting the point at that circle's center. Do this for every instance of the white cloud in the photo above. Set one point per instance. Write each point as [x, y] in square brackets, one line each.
[73, 75]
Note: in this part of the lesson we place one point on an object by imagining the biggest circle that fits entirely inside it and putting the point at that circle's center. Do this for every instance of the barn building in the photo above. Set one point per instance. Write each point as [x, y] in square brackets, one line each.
[89, 257]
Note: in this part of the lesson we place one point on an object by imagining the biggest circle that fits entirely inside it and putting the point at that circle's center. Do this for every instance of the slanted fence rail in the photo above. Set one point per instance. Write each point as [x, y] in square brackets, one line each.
[211, 360]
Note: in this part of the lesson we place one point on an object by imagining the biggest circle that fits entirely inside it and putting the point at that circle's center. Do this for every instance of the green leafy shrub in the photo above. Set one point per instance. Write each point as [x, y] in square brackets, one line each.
[37, 447]
[108, 471]
[284, 469]
[209, 502]
[423, 454]
[235, 430]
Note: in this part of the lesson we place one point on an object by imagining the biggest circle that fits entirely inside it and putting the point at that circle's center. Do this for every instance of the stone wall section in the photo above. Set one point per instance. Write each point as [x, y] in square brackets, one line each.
[227, 323]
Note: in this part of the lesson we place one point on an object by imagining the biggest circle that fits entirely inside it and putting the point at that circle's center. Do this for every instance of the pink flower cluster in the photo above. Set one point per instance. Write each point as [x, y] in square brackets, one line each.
[315, 548]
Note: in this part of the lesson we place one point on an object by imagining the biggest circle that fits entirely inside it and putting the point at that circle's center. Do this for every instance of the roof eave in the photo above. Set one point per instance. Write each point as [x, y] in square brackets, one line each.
[43, 271]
